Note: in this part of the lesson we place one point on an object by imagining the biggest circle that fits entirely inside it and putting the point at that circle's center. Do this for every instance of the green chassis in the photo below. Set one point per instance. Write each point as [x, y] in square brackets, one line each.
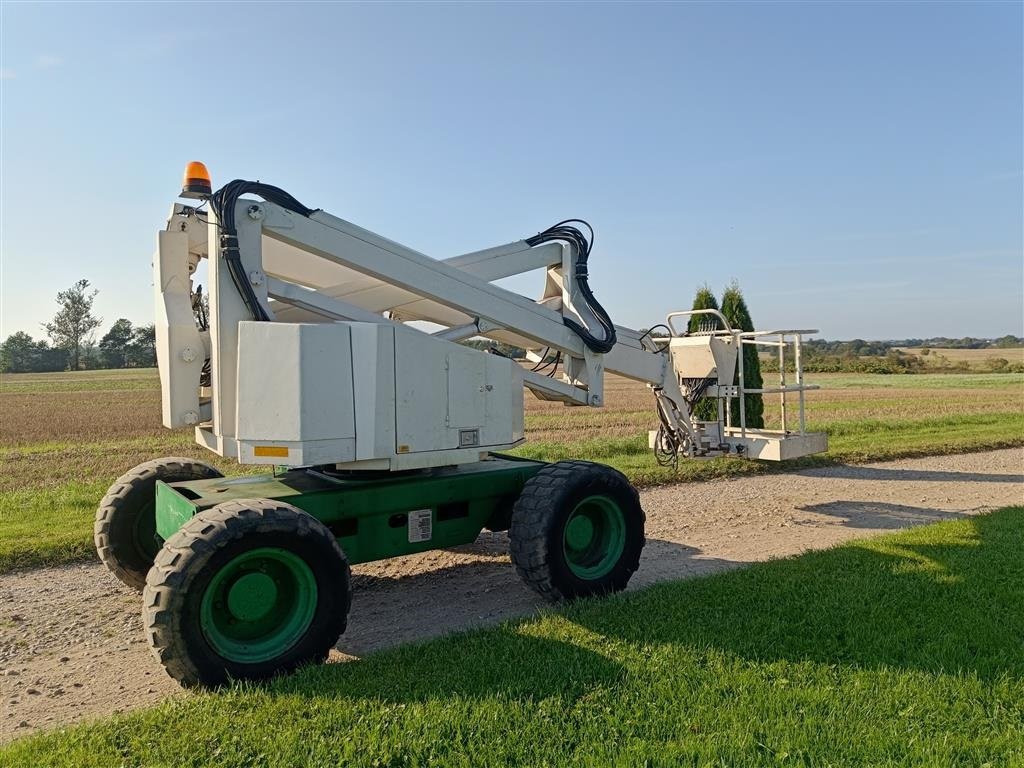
[370, 515]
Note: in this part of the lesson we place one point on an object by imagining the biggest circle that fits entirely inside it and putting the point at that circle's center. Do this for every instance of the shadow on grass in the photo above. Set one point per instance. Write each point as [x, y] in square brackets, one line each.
[502, 661]
[904, 603]
[390, 608]
[934, 604]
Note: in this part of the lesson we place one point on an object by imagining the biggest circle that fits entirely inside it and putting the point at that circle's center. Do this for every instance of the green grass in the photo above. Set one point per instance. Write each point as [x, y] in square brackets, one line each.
[901, 650]
[48, 526]
[48, 519]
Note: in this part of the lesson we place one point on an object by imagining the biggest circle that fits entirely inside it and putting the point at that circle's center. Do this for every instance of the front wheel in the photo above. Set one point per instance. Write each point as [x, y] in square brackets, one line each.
[244, 591]
[577, 530]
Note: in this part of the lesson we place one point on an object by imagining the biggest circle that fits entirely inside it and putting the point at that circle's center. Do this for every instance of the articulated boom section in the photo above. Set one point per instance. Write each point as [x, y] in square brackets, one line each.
[322, 343]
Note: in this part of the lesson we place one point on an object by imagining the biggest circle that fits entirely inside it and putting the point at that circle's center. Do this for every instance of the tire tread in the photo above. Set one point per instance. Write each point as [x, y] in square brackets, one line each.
[187, 550]
[531, 520]
[117, 501]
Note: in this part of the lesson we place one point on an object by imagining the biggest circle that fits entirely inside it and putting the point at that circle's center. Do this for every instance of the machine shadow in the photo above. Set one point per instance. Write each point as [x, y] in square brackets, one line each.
[870, 606]
[506, 660]
[503, 661]
[933, 608]
[392, 607]
[854, 472]
[881, 514]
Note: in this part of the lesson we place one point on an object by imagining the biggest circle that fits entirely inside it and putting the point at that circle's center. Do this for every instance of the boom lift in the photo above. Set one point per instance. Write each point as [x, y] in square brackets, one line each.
[331, 355]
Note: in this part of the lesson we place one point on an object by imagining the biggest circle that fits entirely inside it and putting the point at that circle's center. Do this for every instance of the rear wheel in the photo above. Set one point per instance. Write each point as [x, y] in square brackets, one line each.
[125, 528]
[577, 530]
[246, 590]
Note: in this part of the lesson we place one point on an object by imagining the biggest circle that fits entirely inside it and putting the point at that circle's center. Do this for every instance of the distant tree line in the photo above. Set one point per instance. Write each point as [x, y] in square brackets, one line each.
[72, 340]
[860, 356]
[862, 348]
[815, 361]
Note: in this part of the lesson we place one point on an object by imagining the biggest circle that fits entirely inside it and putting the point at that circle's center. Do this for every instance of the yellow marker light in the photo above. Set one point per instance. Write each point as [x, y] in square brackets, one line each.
[279, 451]
[197, 181]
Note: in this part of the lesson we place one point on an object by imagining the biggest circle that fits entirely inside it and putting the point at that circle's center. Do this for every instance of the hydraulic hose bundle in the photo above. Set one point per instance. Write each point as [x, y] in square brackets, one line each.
[223, 204]
[562, 231]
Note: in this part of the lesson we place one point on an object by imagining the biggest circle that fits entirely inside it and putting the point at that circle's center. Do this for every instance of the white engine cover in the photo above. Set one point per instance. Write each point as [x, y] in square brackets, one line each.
[370, 396]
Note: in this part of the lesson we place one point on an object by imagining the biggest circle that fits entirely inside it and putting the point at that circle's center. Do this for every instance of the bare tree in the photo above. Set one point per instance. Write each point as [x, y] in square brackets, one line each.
[74, 324]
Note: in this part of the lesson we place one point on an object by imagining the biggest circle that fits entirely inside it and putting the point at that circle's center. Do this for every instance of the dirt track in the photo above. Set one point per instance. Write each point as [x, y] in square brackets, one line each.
[71, 644]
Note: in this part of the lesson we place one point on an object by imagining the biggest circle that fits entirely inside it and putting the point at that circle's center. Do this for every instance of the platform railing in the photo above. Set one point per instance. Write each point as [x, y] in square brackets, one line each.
[779, 339]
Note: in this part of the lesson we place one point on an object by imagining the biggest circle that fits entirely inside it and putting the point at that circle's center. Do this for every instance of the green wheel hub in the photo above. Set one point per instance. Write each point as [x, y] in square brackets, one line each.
[258, 605]
[252, 597]
[594, 537]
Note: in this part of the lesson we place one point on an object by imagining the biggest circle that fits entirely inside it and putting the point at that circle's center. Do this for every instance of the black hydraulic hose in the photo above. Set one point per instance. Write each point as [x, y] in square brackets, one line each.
[572, 235]
[223, 204]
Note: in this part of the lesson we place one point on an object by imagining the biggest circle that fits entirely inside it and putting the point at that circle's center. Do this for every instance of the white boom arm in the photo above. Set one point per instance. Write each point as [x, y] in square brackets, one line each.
[307, 356]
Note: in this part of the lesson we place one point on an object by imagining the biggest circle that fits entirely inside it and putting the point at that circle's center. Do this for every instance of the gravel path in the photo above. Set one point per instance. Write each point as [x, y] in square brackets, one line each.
[71, 644]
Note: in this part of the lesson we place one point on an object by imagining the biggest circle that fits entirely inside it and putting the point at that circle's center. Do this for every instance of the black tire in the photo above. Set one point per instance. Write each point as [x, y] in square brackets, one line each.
[539, 529]
[208, 544]
[125, 528]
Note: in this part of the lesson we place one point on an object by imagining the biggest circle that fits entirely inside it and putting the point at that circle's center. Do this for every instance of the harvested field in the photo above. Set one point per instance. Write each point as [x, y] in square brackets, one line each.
[83, 416]
[45, 411]
[90, 406]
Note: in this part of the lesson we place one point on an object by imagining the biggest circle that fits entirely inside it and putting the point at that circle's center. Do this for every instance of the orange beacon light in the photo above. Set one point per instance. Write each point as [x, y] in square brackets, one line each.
[196, 184]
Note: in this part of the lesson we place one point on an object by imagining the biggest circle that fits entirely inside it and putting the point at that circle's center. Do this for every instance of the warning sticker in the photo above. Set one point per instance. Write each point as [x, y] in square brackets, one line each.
[420, 525]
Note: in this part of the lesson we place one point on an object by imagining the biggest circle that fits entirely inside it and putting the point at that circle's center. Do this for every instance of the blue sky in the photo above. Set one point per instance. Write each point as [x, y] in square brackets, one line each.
[858, 168]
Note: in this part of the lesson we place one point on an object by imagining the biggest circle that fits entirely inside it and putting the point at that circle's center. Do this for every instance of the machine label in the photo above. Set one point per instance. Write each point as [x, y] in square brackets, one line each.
[420, 525]
[469, 438]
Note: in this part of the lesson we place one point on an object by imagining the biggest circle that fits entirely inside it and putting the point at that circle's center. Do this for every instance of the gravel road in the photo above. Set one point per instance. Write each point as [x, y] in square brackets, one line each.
[71, 644]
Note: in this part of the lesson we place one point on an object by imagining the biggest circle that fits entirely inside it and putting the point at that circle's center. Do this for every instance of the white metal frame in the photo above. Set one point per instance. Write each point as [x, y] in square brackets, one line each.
[323, 269]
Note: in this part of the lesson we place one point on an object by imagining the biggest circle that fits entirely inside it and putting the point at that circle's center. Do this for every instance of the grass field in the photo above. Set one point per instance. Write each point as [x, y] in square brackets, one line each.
[66, 437]
[901, 650]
